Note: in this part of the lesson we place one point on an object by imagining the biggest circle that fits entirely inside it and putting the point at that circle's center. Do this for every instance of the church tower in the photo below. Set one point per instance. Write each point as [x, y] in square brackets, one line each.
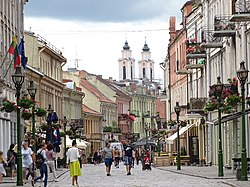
[146, 64]
[126, 64]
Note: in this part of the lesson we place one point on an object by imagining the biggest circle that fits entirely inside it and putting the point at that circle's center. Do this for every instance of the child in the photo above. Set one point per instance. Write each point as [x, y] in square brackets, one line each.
[2, 170]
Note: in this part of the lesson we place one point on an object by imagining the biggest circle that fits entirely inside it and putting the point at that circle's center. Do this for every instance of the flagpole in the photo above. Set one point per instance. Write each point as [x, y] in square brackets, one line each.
[9, 67]
[4, 60]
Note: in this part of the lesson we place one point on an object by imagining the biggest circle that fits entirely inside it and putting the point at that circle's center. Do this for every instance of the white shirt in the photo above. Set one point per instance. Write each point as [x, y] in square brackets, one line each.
[73, 154]
[26, 157]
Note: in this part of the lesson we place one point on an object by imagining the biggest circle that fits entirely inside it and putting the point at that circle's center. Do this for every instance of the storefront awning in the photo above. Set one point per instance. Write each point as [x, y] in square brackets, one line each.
[181, 131]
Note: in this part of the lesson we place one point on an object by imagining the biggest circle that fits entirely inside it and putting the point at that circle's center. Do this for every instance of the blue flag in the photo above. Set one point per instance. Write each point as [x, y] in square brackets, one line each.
[22, 53]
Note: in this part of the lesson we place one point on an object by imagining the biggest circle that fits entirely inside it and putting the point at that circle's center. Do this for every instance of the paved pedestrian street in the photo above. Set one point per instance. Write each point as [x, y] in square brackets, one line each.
[94, 175]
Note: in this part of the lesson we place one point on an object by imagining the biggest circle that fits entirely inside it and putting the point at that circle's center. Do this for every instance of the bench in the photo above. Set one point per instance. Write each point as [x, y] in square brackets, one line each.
[237, 163]
[185, 160]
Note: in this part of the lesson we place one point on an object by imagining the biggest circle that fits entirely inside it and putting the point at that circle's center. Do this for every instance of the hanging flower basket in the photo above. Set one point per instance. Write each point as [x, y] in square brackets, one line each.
[211, 106]
[171, 123]
[8, 106]
[40, 112]
[227, 109]
[26, 103]
[233, 100]
[26, 115]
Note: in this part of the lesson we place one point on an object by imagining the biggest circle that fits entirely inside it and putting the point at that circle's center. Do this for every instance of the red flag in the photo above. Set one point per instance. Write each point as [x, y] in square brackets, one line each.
[11, 49]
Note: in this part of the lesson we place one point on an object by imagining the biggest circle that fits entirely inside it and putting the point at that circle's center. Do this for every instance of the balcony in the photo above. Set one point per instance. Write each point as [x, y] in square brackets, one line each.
[242, 12]
[195, 50]
[209, 41]
[183, 72]
[223, 27]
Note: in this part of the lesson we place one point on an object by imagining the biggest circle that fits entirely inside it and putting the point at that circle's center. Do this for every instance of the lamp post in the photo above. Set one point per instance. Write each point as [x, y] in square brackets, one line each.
[32, 92]
[18, 79]
[177, 110]
[158, 121]
[145, 127]
[218, 88]
[50, 112]
[64, 128]
[242, 75]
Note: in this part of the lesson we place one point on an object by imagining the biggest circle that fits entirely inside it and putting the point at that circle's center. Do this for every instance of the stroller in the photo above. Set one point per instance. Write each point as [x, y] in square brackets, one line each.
[147, 162]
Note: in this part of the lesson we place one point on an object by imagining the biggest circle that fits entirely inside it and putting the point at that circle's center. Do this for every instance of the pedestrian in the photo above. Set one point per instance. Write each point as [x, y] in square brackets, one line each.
[128, 157]
[142, 157]
[133, 158]
[11, 159]
[31, 146]
[99, 156]
[72, 159]
[28, 158]
[2, 170]
[117, 157]
[50, 155]
[108, 157]
[95, 158]
[137, 157]
[40, 162]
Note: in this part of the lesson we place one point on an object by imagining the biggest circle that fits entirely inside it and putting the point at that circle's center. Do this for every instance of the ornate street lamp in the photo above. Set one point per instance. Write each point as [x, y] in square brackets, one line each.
[158, 121]
[18, 79]
[49, 120]
[242, 75]
[64, 128]
[147, 115]
[177, 110]
[218, 88]
[32, 92]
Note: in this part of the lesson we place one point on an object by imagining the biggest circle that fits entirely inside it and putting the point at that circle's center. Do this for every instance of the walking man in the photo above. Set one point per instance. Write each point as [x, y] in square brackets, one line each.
[128, 153]
[108, 157]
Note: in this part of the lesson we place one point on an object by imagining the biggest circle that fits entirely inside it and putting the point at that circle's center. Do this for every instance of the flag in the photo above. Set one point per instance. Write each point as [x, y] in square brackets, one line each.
[22, 53]
[17, 60]
[11, 49]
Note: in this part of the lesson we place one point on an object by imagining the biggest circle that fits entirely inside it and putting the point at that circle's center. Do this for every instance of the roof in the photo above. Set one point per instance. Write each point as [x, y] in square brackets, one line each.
[114, 87]
[126, 46]
[145, 48]
[88, 110]
[91, 88]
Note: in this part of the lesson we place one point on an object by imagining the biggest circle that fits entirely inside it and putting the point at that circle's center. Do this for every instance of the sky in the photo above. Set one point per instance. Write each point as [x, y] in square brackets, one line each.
[94, 31]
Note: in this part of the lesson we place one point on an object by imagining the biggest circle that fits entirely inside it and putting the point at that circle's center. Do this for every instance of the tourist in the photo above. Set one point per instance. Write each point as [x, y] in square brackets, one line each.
[50, 155]
[2, 170]
[108, 157]
[11, 158]
[72, 159]
[128, 157]
[117, 156]
[28, 158]
[95, 158]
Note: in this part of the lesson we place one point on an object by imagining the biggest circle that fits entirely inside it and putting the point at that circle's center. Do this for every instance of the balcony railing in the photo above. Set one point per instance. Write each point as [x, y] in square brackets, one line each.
[209, 41]
[195, 51]
[241, 11]
[223, 27]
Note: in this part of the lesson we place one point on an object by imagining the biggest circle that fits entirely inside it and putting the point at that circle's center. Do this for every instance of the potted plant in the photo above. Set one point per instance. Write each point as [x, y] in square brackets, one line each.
[8, 106]
[107, 129]
[40, 112]
[26, 114]
[171, 123]
[211, 106]
[26, 103]
[183, 123]
[233, 100]
[227, 109]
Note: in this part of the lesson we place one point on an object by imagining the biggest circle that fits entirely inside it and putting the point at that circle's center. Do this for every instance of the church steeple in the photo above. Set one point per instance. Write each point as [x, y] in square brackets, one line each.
[126, 64]
[146, 64]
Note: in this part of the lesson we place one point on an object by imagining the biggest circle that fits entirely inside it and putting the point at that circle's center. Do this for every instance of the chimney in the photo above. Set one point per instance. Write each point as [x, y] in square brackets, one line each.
[172, 29]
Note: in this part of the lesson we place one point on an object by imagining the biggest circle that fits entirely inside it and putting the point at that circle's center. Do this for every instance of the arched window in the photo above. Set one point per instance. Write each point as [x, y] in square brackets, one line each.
[151, 74]
[144, 73]
[131, 72]
[124, 72]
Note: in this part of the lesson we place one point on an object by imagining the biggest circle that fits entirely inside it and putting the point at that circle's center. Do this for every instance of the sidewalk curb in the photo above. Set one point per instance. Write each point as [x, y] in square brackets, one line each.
[194, 175]
[14, 181]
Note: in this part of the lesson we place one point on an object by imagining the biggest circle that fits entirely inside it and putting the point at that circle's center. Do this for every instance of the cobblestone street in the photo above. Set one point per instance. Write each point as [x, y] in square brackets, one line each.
[96, 176]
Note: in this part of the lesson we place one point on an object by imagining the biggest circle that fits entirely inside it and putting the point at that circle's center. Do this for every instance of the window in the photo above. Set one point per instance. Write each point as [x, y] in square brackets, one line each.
[124, 72]
[143, 72]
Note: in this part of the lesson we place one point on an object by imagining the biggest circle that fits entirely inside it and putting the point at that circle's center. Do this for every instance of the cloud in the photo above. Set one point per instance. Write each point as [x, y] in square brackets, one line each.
[103, 10]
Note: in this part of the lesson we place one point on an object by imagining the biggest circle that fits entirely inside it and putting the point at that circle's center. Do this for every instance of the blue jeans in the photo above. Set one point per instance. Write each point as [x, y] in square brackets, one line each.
[43, 171]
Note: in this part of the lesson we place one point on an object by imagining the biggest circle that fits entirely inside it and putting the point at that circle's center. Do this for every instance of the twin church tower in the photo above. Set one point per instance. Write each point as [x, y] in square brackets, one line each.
[127, 64]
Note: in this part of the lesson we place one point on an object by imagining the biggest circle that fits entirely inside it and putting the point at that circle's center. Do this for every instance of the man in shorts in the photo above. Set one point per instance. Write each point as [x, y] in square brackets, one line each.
[108, 158]
[128, 153]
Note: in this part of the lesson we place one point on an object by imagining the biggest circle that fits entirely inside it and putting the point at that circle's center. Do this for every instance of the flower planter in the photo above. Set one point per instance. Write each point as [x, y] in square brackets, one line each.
[26, 115]
[8, 110]
[40, 112]
[26, 103]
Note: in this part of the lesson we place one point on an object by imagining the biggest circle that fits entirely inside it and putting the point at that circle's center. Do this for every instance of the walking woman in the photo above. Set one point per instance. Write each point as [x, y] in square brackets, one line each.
[50, 155]
[11, 158]
[2, 170]
[75, 171]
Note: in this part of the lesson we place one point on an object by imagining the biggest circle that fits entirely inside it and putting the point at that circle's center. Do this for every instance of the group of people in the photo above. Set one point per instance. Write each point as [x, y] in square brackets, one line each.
[31, 161]
[111, 155]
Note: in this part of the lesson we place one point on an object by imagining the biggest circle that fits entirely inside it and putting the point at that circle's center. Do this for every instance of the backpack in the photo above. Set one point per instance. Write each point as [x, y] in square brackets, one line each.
[39, 159]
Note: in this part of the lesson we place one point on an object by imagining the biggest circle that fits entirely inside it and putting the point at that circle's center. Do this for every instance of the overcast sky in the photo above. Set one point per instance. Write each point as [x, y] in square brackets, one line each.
[94, 31]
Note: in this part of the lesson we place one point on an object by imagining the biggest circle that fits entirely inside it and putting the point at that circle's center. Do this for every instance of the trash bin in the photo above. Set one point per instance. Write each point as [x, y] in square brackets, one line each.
[238, 174]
